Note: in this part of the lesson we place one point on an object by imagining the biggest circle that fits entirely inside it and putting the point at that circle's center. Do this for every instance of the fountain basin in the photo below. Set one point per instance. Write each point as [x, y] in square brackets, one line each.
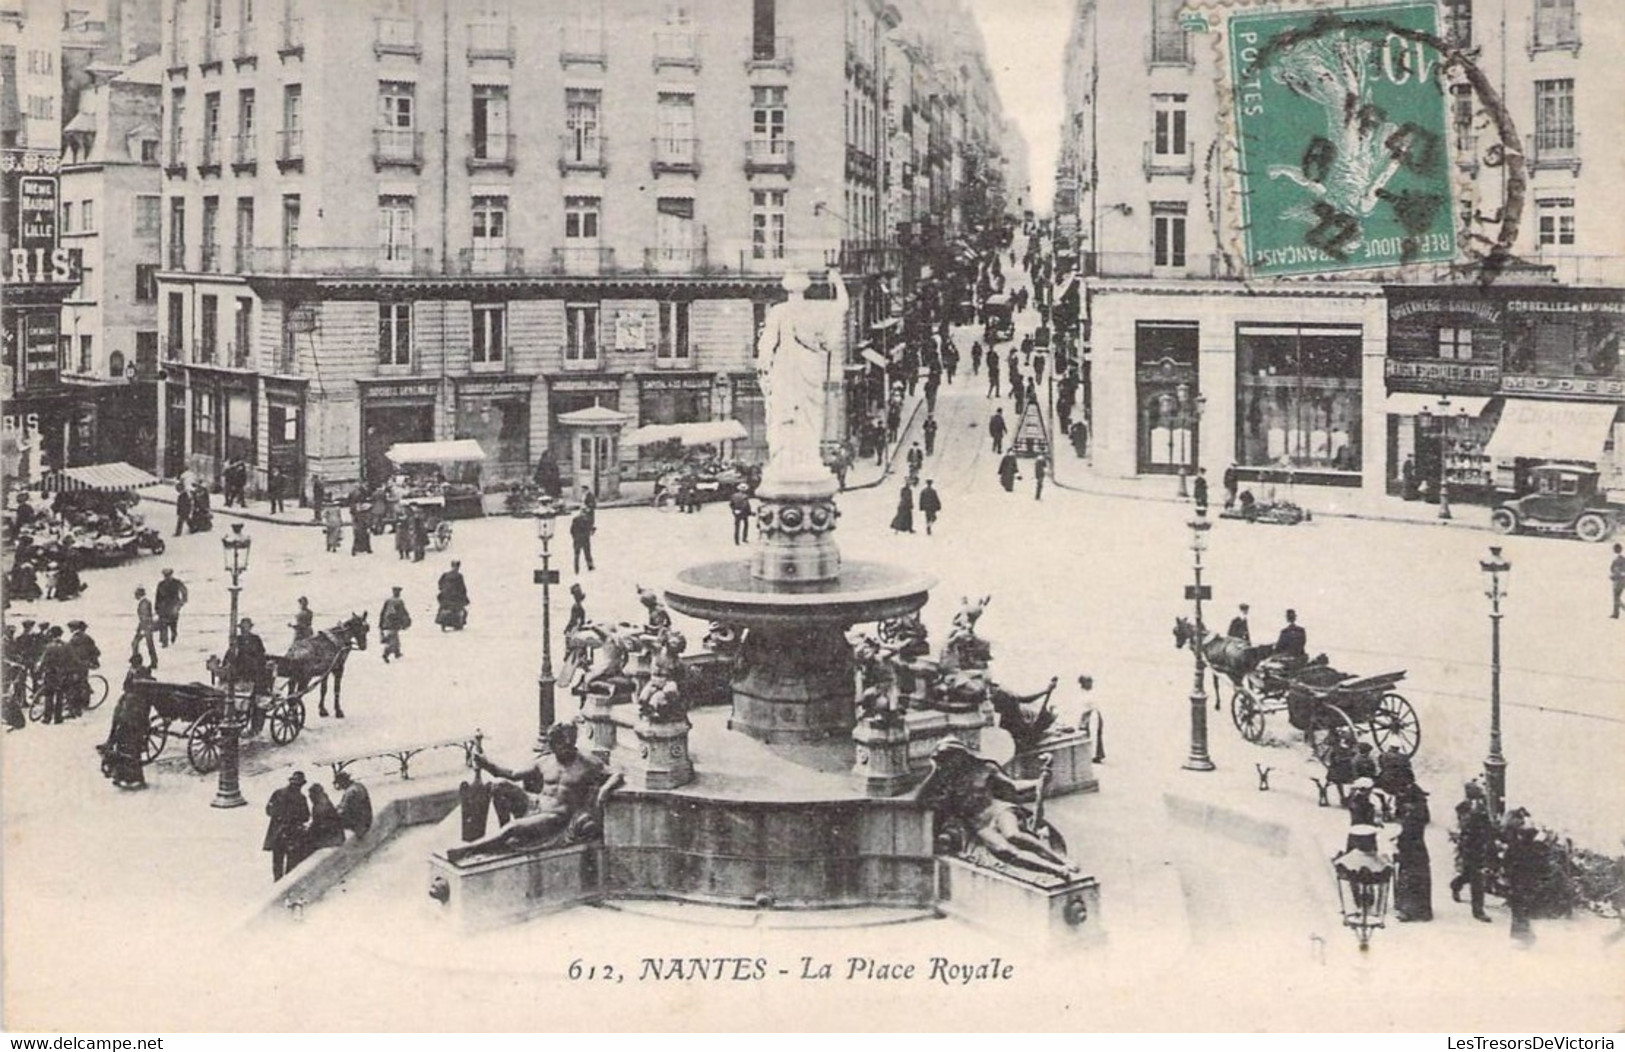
[864, 592]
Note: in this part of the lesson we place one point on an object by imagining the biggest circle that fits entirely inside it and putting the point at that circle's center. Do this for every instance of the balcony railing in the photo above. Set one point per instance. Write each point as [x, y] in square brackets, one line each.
[397, 147]
[175, 156]
[213, 157]
[1168, 163]
[584, 259]
[491, 40]
[1555, 148]
[676, 259]
[582, 45]
[290, 149]
[371, 259]
[677, 47]
[578, 153]
[210, 260]
[398, 36]
[214, 50]
[675, 155]
[1144, 265]
[247, 45]
[490, 259]
[860, 166]
[862, 255]
[175, 255]
[769, 155]
[770, 53]
[487, 152]
[1555, 32]
[244, 151]
[1170, 48]
[178, 56]
[293, 38]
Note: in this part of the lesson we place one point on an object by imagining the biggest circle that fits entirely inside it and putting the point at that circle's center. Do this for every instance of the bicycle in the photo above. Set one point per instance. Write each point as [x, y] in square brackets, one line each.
[98, 690]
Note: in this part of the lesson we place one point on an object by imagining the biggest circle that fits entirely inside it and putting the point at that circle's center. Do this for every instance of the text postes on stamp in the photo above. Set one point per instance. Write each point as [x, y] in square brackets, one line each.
[1341, 134]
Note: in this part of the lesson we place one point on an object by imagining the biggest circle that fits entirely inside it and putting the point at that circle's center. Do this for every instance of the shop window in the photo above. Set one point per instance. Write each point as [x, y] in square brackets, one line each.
[203, 421]
[395, 334]
[490, 333]
[1456, 343]
[674, 345]
[581, 332]
[1298, 391]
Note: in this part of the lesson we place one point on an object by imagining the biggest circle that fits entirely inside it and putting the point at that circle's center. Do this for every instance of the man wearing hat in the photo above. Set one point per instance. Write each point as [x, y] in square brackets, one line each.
[83, 655]
[168, 598]
[52, 670]
[930, 504]
[289, 811]
[452, 595]
[1293, 642]
[304, 621]
[1238, 626]
[393, 619]
[740, 505]
[1475, 847]
[146, 623]
[245, 659]
[355, 805]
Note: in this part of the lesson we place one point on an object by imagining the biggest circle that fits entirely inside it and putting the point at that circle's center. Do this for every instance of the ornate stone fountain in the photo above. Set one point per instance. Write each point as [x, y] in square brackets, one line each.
[791, 799]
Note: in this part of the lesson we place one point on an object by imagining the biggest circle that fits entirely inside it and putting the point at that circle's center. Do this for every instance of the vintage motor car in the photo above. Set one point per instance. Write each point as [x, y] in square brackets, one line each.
[1562, 498]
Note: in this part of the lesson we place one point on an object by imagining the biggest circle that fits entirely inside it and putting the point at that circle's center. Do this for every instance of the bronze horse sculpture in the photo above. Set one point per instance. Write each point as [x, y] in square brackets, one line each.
[322, 656]
[1236, 658]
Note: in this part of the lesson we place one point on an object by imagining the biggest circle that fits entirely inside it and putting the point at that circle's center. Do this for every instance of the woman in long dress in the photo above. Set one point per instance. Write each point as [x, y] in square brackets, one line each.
[1413, 884]
[903, 521]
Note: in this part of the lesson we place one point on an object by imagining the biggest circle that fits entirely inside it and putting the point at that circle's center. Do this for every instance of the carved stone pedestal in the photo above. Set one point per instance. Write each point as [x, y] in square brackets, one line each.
[797, 684]
[928, 728]
[1072, 768]
[598, 712]
[662, 760]
[497, 890]
[881, 758]
[1041, 912]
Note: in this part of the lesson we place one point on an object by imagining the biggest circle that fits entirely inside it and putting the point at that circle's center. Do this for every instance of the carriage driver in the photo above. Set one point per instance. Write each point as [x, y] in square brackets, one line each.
[245, 660]
[1293, 642]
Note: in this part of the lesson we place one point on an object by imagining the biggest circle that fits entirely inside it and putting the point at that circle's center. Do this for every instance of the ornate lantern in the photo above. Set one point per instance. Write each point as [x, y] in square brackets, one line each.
[1364, 879]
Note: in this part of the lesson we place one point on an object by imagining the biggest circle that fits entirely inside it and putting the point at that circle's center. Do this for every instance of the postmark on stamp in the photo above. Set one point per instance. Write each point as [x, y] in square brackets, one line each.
[1342, 139]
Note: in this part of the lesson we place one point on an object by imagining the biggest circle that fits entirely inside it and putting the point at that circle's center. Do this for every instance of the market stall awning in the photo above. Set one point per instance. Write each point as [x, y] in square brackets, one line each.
[107, 477]
[1414, 403]
[450, 452]
[1547, 430]
[700, 433]
[874, 357]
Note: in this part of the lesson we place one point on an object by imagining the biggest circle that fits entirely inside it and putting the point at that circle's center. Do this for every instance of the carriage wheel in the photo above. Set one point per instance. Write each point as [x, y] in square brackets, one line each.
[442, 537]
[98, 691]
[1329, 721]
[203, 743]
[1248, 715]
[157, 738]
[1395, 723]
[286, 721]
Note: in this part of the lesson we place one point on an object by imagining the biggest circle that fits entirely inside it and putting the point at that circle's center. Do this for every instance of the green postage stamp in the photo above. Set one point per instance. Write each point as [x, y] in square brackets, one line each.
[1341, 136]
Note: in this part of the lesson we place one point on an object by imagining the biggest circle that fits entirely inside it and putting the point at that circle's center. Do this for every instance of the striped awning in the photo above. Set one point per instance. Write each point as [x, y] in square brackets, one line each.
[111, 476]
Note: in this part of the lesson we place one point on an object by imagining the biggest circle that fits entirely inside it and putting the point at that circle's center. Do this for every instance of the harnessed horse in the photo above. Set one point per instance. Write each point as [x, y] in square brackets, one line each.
[321, 656]
[1233, 657]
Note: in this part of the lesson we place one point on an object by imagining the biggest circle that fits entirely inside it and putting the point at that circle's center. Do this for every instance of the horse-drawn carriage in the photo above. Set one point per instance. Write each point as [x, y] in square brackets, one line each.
[200, 713]
[1319, 700]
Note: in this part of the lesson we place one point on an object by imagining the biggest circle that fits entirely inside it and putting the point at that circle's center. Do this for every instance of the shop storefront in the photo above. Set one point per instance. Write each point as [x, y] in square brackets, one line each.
[223, 413]
[1299, 400]
[394, 411]
[495, 412]
[1485, 383]
[285, 420]
[1167, 396]
[669, 400]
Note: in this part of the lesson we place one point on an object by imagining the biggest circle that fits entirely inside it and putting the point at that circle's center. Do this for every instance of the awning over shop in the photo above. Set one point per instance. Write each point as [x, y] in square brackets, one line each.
[1545, 430]
[1414, 403]
[462, 449]
[699, 433]
[874, 357]
[113, 476]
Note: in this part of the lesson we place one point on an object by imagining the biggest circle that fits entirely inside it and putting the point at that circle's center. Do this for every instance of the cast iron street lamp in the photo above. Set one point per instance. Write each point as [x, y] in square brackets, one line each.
[235, 546]
[1495, 765]
[1364, 879]
[1198, 759]
[546, 577]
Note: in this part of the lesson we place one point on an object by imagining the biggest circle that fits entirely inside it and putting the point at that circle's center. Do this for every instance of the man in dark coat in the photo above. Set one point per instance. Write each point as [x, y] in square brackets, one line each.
[275, 484]
[183, 507]
[992, 372]
[547, 476]
[246, 658]
[1199, 491]
[202, 519]
[739, 504]
[1475, 848]
[393, 619]
[146, 626]
[1040, 469]
[168, 598]
[355, 804]
[318, 497]
[581, 531]
[83, 655]
[1238, 626]
[997, 429]
[930, 505]
[452, 595]
[289, 811]
[53, 673]
[1293, 641]
[360, 526]
[1231, 481]
[929, 431]
[1008, 472]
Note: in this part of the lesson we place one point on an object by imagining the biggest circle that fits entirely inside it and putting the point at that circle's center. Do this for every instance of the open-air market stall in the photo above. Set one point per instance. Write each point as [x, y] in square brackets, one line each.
[442, 475]
[84, 518]
[694, 468]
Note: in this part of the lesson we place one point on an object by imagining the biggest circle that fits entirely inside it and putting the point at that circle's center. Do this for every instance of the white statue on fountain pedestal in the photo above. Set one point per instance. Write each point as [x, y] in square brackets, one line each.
[792, 355]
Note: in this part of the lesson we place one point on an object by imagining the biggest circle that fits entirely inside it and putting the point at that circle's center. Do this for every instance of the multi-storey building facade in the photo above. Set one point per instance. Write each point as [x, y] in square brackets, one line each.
[409, 220]
[1343, 381]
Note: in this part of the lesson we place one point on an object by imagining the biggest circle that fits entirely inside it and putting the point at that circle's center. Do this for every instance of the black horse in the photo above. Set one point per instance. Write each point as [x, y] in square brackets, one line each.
[1233, 657]
[321, 656]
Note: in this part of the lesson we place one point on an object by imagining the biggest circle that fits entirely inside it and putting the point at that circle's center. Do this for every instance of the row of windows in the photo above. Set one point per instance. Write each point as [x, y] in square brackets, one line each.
[489, 325]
